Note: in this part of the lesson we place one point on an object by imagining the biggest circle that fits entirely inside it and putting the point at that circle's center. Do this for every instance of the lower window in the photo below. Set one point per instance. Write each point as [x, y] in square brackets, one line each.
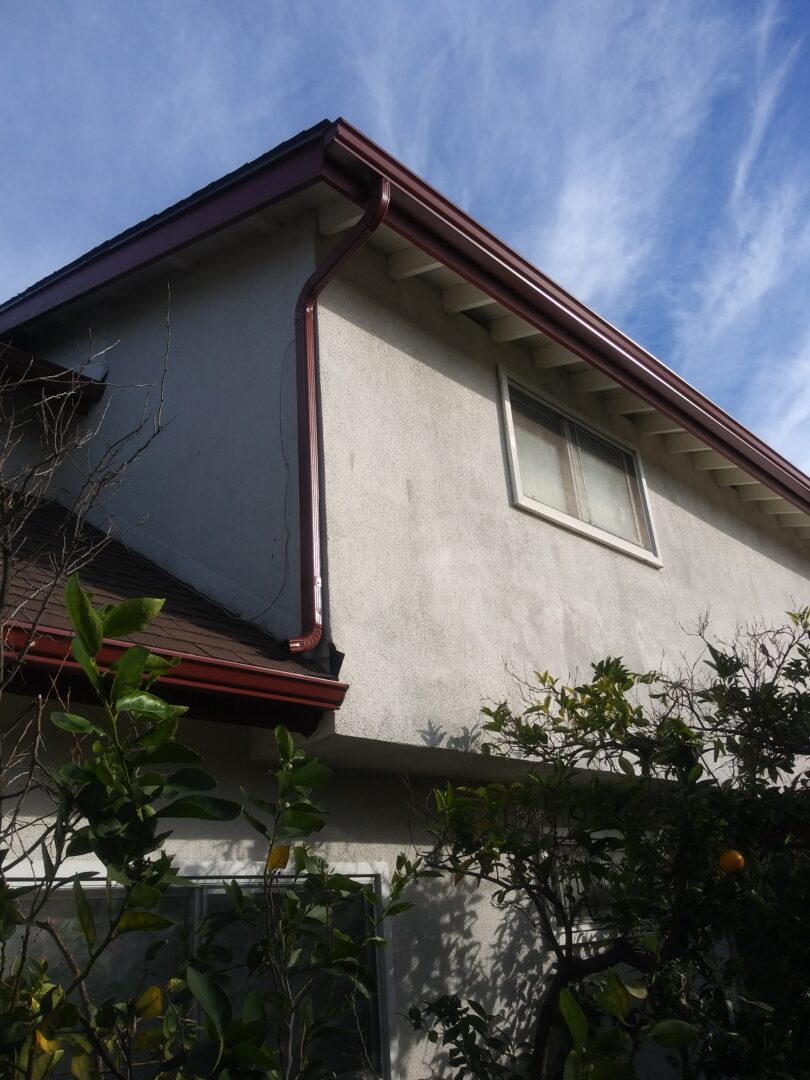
[353, 1051]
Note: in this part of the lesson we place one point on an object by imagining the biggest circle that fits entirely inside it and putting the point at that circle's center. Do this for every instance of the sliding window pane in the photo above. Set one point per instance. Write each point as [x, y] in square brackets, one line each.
[542, 452]
[611, 488]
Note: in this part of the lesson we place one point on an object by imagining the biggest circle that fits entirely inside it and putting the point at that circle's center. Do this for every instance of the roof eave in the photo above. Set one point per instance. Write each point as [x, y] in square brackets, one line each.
[343, 157]
[49, 649]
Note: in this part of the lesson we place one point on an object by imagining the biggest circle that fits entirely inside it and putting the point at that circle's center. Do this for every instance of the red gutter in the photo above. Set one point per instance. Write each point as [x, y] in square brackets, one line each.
[50, 648]
[306, 310]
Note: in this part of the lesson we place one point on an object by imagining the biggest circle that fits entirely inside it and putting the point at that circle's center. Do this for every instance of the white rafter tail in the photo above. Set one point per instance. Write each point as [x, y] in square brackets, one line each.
[511, 328]
[551, 355]
[623, 403]
[735, 478]
[756, 492]
[777, 506]
[464, 297]
[710, 460]
[683, 443]
[337, 217]
[591, 382]
[794, 520]
[410, 263]
[656, 423]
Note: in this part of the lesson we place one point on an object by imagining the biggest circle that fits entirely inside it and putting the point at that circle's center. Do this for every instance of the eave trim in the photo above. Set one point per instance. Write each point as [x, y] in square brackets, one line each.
[50, 649]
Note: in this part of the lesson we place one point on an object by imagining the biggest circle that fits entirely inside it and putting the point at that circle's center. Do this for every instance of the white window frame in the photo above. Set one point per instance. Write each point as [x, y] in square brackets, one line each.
[559, 517]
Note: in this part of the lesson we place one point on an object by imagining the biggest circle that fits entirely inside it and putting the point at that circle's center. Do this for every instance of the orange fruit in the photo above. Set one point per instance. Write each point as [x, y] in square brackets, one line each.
[732, 862]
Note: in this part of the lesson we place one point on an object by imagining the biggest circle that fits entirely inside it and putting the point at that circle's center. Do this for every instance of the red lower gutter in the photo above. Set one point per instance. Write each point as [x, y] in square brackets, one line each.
[50, 648]
[306, 310]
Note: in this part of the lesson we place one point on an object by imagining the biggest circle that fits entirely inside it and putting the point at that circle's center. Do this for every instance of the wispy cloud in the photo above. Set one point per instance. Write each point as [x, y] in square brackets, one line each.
[652, 158]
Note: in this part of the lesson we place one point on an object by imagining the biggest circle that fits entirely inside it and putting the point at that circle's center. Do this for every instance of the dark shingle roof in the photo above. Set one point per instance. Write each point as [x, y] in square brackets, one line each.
[189, 623]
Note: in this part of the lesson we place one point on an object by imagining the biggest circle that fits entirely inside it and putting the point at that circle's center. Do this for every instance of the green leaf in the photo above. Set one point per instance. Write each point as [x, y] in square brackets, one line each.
[294, 821]
[614, 999]
[144, 921]
[574, 1018]
[159, 733]
[312, 774]
[83, 616]
[193, 779]
[87, 663]
[77, 725]
[285, 744]
[204, 807]
[129, 671]
[211, 999]
[131, 617]
[143, 896]
[253, 1011]
[84, 913]
[141, 703]
[571, 1069]
[673, 1033]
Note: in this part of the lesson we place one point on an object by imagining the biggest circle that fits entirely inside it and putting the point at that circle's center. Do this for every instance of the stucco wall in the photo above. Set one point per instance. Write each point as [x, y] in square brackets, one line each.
[439, 589]
[214, 500]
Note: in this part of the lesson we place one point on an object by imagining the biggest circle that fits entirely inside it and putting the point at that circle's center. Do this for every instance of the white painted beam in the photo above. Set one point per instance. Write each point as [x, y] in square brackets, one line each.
[624, 403]
[410, 263]
[337, 217]
[511, 328]
[711, 460]
[591, 382]
[655, 423]
[684, 443]
[464, 297]
[735, 478]
[795, 520]
[777, 506]
[551, 355]
[758, 493]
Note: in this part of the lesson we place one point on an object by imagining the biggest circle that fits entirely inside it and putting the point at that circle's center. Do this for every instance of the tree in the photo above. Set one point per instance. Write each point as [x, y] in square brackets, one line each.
[658, 850]
[265, 981]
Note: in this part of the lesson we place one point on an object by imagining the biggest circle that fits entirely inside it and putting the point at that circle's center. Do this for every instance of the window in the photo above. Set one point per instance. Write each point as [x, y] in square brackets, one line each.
[355, 1052]
[569, 474]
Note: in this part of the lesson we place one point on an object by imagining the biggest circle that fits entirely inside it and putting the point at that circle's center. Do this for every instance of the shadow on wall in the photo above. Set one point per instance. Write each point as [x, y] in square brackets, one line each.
[458, 941]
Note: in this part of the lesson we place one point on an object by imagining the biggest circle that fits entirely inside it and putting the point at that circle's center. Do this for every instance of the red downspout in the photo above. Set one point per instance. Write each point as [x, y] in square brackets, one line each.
[309, 485]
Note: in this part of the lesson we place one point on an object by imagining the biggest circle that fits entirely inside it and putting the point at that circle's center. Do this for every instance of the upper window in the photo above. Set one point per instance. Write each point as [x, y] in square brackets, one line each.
[566, 472]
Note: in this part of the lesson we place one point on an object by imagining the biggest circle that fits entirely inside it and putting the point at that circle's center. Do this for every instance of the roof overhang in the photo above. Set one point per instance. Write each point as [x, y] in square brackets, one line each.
[256, 690]
[340, 156]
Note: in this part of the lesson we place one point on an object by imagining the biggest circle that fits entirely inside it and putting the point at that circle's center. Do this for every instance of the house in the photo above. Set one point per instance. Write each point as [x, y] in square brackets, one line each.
[402, 453]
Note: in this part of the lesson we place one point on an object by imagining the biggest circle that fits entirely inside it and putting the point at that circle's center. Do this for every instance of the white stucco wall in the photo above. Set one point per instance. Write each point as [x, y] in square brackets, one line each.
[215, 498]
[438, 587]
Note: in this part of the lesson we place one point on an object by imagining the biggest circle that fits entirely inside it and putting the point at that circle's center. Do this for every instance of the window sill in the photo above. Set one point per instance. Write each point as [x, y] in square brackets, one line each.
[590, 532]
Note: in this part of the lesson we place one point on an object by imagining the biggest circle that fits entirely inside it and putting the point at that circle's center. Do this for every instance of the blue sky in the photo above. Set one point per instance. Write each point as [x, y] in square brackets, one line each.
[652, 157]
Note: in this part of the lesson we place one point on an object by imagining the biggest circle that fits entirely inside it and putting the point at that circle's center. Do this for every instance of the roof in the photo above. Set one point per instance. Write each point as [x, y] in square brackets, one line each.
[337, 155]
[222, 657]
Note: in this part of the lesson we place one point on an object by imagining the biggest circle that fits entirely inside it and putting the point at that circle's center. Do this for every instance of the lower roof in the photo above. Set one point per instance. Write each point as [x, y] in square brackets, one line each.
[242, 673]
